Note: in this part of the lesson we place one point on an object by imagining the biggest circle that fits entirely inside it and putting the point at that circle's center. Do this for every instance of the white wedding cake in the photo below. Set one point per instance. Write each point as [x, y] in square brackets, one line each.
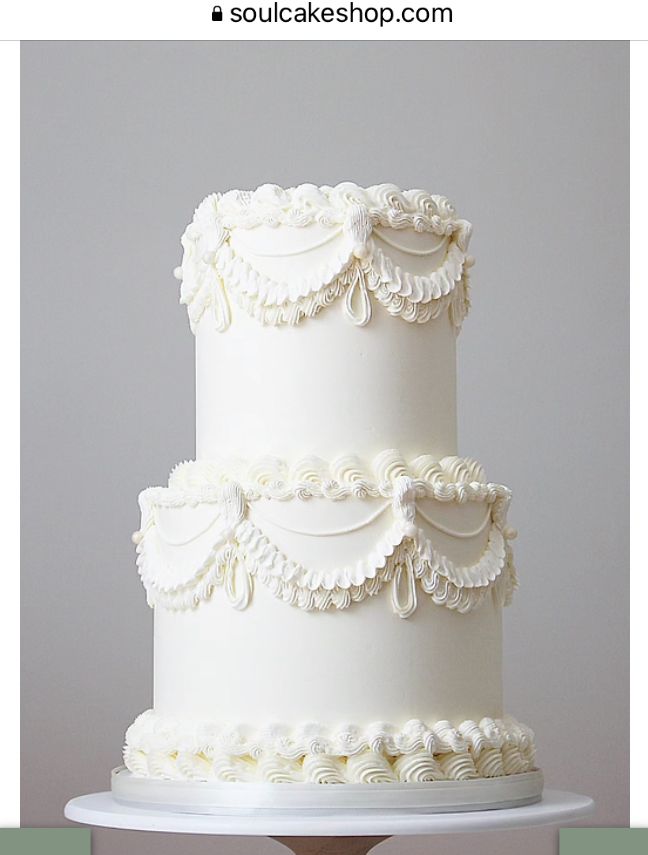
[327, 576]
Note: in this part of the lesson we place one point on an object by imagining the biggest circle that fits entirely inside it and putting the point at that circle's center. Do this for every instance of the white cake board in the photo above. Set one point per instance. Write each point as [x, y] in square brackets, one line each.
[555, 808]
[222, 798]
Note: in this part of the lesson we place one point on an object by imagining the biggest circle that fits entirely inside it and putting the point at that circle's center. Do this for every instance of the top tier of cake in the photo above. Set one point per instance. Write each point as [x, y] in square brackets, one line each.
[384, 271]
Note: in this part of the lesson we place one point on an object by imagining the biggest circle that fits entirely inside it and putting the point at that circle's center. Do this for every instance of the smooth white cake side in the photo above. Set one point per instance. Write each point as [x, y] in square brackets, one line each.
[325, 387]
[363, 666]
[328, 577]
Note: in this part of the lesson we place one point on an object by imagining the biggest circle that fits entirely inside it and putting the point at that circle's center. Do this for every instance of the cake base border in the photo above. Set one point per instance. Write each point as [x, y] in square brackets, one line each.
[223, 798]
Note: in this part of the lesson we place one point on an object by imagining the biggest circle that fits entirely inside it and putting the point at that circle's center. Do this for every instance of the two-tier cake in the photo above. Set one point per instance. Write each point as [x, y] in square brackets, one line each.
[327, 576]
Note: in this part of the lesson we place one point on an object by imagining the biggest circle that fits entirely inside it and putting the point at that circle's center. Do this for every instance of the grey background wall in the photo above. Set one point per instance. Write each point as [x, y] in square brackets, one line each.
[120, 142]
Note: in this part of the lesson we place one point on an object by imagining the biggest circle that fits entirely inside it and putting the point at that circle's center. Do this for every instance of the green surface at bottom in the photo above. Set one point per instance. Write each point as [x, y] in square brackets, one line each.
[44, 841]
[604, 841]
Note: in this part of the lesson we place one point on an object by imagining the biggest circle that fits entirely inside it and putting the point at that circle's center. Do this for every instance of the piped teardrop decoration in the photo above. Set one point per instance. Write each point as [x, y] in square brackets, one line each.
[238, 582]
[357, 303]
[404, 588]
[220, 306]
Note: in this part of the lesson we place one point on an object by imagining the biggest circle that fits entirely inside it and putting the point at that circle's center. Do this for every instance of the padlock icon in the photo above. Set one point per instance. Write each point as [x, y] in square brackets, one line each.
[217, 13]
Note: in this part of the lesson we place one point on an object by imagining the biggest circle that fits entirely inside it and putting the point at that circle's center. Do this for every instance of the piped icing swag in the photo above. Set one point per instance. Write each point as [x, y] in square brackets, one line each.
[361, 229]
[227, 548]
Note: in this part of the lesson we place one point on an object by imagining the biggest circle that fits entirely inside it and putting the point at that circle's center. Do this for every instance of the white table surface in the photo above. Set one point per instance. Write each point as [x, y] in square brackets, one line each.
[556, 808]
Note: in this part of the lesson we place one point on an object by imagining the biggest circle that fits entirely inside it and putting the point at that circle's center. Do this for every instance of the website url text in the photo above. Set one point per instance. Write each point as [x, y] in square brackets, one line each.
[351, 13]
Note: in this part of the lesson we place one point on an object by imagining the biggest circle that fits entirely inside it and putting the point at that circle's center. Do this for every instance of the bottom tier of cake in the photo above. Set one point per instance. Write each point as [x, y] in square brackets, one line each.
[314, 630]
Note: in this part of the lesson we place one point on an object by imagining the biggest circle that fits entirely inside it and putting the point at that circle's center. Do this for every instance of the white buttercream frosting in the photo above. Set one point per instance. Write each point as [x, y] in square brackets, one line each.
[163, 746]
[197, 535]
[306, 204]
[449, 479]
[355, 247]
[271, 515]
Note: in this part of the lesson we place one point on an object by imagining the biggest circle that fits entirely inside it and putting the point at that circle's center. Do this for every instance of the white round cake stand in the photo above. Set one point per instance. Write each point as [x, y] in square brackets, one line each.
[312, 833]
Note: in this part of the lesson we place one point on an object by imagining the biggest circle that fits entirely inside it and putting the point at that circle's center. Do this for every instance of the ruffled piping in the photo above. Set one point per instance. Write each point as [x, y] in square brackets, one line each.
[451, 479]
[212, 269]
[415, 298]
[165, 747]
[404, 556]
